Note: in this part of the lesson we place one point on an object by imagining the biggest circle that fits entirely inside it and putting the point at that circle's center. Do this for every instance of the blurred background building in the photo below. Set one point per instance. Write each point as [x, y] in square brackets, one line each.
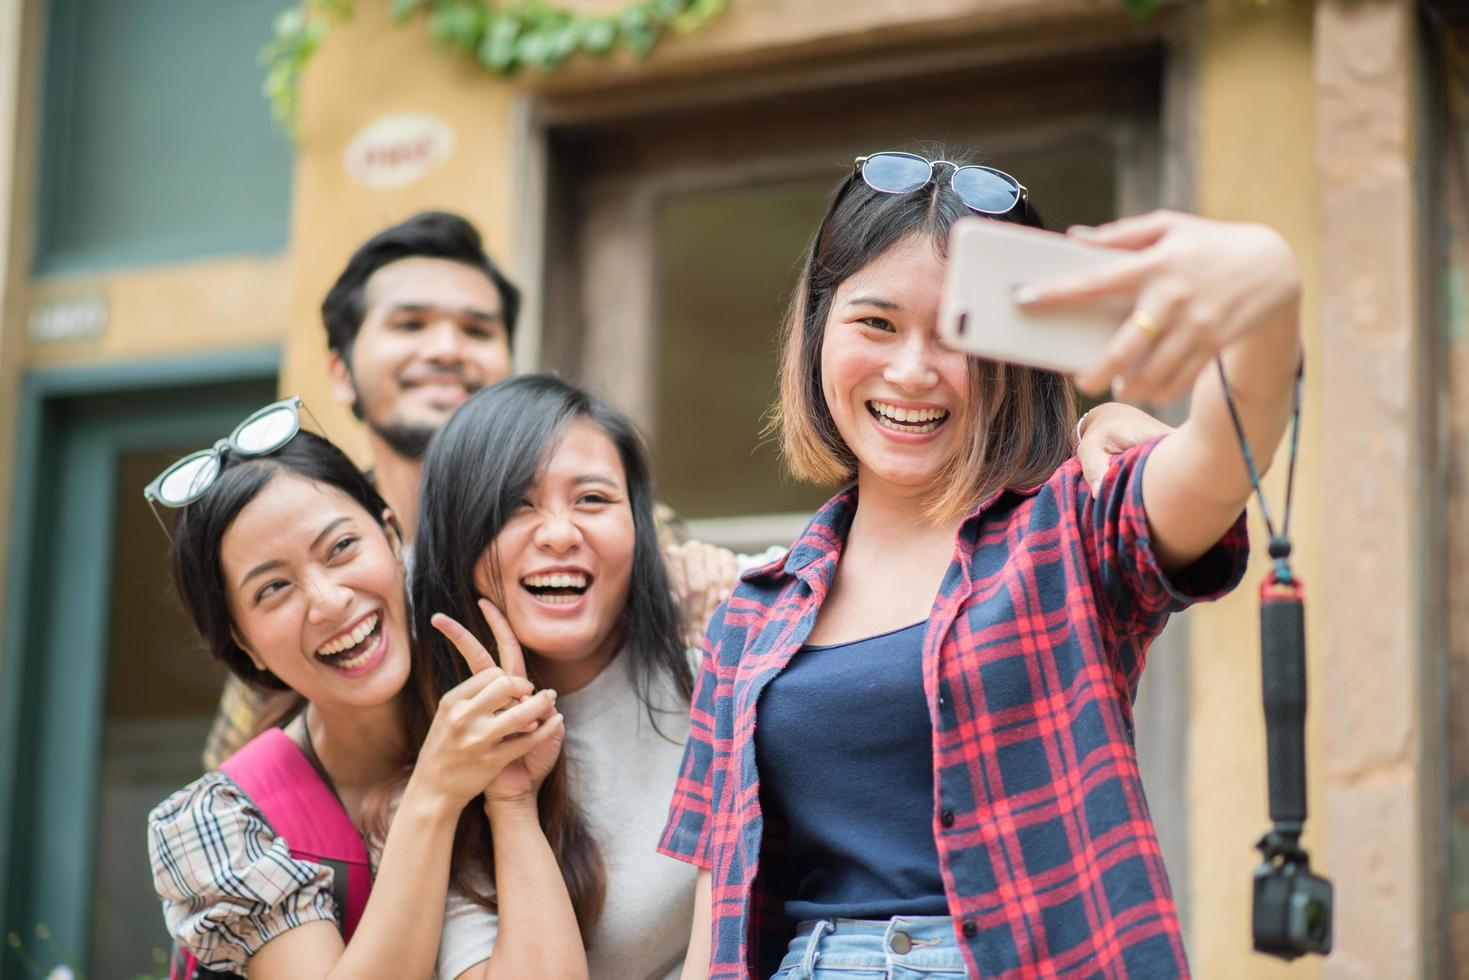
[164, 248]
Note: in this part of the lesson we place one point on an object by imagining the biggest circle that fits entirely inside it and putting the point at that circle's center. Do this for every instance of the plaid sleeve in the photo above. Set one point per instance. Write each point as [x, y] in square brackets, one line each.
[229, 885]
[1135, 593]
[687, 832]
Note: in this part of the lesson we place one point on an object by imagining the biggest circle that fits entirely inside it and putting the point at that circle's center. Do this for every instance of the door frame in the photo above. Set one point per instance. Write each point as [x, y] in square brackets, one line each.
[49, 758]
[1163, 700]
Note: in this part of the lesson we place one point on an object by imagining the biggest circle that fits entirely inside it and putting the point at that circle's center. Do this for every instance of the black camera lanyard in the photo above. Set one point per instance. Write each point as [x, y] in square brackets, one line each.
[1282, 642]
[1283, 682]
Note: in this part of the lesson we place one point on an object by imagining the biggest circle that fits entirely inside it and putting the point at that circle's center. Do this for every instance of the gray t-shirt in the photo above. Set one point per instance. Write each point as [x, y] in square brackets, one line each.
[623, 772]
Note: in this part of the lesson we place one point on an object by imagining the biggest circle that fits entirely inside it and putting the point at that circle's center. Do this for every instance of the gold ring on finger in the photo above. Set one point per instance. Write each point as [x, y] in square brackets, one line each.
[1146, 323]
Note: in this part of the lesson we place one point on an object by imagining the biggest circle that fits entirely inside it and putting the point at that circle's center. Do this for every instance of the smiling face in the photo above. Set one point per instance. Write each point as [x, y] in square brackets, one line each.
[315, 590]
[433, 335]
[895, 393]
[561, 566]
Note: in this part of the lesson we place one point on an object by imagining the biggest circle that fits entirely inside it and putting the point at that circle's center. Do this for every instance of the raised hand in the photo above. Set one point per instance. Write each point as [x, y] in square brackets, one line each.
[1197, 286]
[521, 779]
[482, 726]
[703, 576]
[1110, 429]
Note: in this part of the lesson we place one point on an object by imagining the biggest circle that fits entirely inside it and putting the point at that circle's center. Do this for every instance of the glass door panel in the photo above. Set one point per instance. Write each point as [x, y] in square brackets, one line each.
[162, 688]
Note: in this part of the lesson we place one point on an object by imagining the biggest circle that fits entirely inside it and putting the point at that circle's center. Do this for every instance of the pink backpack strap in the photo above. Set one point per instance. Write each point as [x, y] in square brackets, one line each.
[302, 808]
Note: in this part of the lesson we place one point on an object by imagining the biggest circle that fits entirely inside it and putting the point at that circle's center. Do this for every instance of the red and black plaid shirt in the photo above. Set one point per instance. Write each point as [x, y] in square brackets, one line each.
[1031, 661]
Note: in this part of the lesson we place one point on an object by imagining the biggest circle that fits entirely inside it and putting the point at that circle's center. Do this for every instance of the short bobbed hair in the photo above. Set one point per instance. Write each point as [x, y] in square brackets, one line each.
[1018, 419]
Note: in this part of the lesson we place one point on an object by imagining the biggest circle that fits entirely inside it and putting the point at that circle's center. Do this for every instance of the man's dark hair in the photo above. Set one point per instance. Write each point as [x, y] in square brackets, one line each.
[430, 234]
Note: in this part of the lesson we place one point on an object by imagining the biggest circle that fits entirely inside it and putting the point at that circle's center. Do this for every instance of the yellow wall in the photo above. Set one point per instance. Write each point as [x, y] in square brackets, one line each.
[173, 310]
[1383, 695]
[355, 80]
[1256, 161]
[17, 28]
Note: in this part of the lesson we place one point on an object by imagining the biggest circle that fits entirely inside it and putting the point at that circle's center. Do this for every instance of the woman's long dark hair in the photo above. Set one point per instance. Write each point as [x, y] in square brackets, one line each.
[201, 527]
[478, 468]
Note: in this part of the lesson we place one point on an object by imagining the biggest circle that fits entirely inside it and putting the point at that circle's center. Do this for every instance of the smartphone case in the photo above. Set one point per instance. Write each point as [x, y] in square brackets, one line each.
[987, 260]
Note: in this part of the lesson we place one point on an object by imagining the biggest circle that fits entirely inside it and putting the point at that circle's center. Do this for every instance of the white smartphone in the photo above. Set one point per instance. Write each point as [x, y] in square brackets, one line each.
[987, 260]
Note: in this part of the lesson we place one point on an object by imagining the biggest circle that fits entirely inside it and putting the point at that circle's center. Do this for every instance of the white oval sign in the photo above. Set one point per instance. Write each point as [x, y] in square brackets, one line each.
[394, 151]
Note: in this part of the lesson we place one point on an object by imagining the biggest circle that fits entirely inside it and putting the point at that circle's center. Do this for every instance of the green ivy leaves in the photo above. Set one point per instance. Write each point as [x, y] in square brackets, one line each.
[1141, 10]
[284, 57]
[502, 36]
[505, 37]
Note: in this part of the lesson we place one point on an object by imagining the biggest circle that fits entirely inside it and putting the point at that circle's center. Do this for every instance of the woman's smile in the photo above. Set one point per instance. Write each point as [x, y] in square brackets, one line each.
[892, 388]
[356, 651]
[562, 565]
[562, 591]
[318, 595]
[907, 421]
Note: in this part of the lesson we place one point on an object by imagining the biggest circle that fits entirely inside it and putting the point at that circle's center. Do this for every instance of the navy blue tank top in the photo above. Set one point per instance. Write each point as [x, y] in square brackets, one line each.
[844, 749]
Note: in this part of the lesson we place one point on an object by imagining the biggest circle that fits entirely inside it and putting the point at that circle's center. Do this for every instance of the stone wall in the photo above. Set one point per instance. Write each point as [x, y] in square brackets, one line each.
[1373, 436]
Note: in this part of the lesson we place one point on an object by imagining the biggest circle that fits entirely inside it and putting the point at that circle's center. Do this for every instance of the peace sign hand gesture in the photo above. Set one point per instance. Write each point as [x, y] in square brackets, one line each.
[521, 779]
[485, 726]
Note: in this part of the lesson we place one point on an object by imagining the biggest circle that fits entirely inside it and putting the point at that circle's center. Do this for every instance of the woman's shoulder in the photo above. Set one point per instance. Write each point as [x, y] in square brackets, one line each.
[206, 836]
[822, 535]
[215, 797]
[211, 797]
[227, 881]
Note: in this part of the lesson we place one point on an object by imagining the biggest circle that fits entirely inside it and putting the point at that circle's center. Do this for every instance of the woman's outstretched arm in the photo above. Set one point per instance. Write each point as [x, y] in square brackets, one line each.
[1199, 288]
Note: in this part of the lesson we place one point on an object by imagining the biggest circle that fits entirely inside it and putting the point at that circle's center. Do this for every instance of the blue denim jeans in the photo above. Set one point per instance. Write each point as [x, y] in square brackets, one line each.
[907, 947]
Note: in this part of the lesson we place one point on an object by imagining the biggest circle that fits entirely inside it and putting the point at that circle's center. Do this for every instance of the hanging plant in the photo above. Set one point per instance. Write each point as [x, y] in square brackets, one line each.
[503, 37]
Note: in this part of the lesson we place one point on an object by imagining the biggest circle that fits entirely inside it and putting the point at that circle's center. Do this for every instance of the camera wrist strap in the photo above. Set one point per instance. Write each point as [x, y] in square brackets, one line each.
[1280, 545]
[1282, 650]
[1291, 911]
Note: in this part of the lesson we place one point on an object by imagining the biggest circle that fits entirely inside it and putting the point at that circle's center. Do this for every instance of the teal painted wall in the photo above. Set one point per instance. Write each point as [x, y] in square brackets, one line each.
[53, 667]
[156, 144]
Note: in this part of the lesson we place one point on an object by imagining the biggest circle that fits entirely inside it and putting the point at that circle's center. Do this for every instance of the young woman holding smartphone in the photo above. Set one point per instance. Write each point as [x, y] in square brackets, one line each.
[536, 529]
[911, 750]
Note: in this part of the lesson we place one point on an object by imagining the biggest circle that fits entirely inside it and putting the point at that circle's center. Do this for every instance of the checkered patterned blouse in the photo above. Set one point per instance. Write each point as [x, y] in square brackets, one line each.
[1031, 661]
